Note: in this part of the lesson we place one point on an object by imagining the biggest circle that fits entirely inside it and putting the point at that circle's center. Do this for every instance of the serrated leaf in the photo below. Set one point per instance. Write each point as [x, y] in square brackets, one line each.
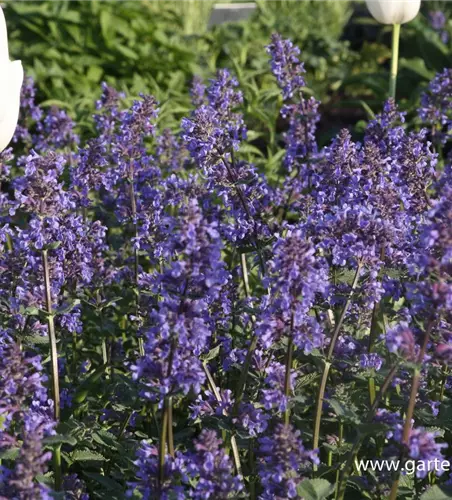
[436, 430]
[437, 493]
[343, 412]
[86, 456]
[306, 380]
[30, 311]
[105, 439]
[315, 489]
[212, 354]
[10, 454]
[36, 339]
[59, 439]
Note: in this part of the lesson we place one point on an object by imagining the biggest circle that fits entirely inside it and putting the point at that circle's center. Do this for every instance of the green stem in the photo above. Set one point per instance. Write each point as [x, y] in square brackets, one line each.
[374, 331]
[170, 427]
[342, 484]
[57, 467]
[253, 344]
[244, 373]
[133, 204]
[244, 267]
[318, 411]
[412, 402]
[287, 388]
[372, 337]
[104, 353]
[394, 60]
[343, 313]
[54, 362]
[216, 392]
[162, 445]
[326, 369]
[74, 357]
[339, 445]
[443, 387]
[244, 202]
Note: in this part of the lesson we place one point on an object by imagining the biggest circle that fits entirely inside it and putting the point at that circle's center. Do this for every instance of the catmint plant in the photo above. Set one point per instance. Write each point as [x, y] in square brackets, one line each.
[178, 322]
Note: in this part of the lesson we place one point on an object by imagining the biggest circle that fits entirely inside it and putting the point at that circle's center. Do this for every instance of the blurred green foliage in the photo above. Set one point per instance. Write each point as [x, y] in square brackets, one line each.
[70, 47]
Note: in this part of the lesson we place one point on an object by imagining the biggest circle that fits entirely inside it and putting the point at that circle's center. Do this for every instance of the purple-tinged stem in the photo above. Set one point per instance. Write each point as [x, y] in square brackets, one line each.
[162, 445]
[54, 362]
[170, 427]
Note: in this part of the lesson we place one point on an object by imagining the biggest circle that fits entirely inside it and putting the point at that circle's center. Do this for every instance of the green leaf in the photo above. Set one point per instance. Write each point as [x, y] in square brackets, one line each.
[315, 489]
[66, 308]
[212, 354]
[417, 65]
[53, 246]
[343, 412]
[86, 386]
[372, 428]
[306, 380]
[105, 438]
[10, 454]
[59, 439]
[437, 493]
[106, 482]
[107, 26]
[30, 311]
[36, 339]
[87, 456]
[370, 114]
[81, 395]
[250, 149]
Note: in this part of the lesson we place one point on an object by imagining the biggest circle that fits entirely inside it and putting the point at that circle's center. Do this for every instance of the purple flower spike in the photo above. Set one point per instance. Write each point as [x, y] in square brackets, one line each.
[282, 461]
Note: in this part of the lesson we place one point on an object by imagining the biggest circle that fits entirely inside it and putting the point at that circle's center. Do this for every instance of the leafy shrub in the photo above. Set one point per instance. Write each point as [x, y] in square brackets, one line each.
[215, 332]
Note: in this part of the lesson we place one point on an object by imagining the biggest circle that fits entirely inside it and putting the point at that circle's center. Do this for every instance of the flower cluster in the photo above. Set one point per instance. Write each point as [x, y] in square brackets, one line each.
[176, 290]
[438, 21]
[423, 448]
[296, 276]
[25, 412]
[181, 324]
[436, 104]
[283, 456]
[204, 473]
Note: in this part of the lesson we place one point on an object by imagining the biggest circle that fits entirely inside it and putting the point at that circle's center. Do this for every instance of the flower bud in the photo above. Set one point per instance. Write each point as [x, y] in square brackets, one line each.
[393, 11]
[11, 77]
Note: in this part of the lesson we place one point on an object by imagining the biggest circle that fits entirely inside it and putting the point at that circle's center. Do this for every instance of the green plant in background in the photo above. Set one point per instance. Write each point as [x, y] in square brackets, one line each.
[195, 14]
[322, 19]
[70, 47]
[157, 48]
